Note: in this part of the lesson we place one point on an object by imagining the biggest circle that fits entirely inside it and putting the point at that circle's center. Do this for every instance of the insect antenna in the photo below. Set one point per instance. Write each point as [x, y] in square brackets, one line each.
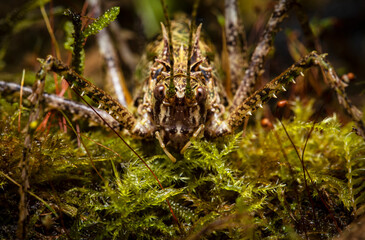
[188, 92]
[171, 91]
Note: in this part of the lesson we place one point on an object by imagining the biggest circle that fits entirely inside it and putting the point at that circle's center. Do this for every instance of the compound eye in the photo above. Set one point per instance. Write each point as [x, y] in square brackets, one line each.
[159, 92]
[200, 94]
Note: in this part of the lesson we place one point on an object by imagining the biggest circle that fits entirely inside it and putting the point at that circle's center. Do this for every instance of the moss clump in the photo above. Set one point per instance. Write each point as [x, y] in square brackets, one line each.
[239, 187]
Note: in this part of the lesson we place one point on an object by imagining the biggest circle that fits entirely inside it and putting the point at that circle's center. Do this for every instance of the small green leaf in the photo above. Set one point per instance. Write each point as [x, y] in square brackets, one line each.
[69, 30]
[101, 22]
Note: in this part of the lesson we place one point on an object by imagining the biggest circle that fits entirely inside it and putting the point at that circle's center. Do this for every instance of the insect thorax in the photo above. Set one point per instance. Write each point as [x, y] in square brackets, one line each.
[177, 116]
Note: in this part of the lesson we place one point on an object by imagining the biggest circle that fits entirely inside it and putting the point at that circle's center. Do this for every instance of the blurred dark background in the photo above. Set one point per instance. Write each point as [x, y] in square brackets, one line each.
[339, 25]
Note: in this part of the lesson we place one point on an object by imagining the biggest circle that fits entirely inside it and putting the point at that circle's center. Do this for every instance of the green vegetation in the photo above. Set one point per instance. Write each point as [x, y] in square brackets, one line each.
[75, 36]
[253, 185]
[296, 179]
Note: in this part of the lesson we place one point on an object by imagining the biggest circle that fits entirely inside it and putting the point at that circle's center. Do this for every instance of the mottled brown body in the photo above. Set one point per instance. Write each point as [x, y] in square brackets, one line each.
[178, 117]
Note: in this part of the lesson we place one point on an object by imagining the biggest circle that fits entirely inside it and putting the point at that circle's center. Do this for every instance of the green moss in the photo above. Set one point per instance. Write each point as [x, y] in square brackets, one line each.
[101, 22]
[253, 184]
[248, 185]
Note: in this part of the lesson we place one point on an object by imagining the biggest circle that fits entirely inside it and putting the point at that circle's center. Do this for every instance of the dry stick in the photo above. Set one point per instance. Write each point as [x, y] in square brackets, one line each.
[235, 47]
[21, 99]
[122, 37]
[36, 112]
[256, 66]
[55, 102]
[114, 74]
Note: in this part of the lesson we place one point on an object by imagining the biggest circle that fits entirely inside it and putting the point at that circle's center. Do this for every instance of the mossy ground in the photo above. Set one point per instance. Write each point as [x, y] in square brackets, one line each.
[239, 187]
[252, 185]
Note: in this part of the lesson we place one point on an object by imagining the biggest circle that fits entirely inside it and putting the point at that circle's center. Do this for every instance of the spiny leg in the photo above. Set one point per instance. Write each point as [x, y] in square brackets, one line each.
[255, 68]
[84, 87]
[235, 56]
[332, 79]
[277, 85]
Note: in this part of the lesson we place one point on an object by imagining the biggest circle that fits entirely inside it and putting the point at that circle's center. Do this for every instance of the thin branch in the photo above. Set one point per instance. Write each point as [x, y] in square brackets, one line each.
[256, 67]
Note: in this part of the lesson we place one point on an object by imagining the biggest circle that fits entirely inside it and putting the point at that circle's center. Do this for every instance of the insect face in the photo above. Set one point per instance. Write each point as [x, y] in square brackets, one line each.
[179, 107]
[179, 116]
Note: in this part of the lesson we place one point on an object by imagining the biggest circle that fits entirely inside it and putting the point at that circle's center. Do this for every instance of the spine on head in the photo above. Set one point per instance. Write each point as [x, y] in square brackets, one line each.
[171, 91]
[188, 91]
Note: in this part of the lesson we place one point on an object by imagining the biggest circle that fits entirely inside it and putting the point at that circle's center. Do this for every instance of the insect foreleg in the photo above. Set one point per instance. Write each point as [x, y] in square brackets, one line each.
[84, 87]
[276, 86]
[338, 86]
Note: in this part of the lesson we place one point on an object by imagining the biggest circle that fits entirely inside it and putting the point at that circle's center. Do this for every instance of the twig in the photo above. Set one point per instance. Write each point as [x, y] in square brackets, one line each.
[265, 44]
[114, 72]
[235, 44]
[36, 111]
[21, 99]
